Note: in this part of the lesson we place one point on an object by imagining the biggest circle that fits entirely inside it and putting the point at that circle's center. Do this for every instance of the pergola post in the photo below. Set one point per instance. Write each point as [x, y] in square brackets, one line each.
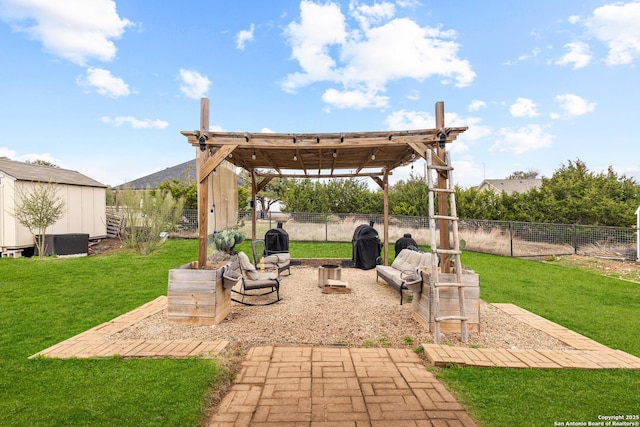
[386, 216]
[203, 179]
[443, 205]
[254, 194]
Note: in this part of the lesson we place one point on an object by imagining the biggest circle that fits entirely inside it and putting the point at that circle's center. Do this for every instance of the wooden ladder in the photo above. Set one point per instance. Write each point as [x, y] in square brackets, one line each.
[450, 280]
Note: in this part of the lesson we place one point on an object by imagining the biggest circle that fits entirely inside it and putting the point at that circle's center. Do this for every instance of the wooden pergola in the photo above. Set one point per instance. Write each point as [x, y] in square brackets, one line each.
[320, 155]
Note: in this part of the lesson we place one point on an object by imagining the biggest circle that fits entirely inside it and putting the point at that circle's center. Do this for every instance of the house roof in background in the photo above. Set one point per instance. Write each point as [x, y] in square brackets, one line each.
[510, 186]
[186, 170]
[40, 173]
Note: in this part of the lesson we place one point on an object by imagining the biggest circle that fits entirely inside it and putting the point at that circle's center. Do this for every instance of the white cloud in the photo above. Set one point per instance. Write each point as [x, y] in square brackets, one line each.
[104, 83]
[521, 140]
[616, 25]
[379, 50]
[194, 84]
[524, 107]
[579, 54]
[7, 152]
[244, 36]
[574, 19]
[408, 120]
[135, 123]
[402, 49]
[357, 99]
[574, 105]
[408, 3]
[320, 27]
[535, 52]
[475, 132]
[76, 30]
[467, 173]
[476, 104]
[367, 15]
[12, 155]
[267, 130]
[413, 95]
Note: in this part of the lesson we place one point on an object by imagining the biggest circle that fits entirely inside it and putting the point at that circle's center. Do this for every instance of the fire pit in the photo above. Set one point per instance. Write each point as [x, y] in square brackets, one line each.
[328, 271]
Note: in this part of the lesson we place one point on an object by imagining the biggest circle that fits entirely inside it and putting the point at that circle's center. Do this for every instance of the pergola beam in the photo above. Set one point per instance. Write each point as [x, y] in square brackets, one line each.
[285, 141]
[328, 176]
[213, 160]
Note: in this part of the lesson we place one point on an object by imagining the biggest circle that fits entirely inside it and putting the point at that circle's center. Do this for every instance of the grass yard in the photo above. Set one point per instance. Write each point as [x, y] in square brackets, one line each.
[602, 308]
[45, 302]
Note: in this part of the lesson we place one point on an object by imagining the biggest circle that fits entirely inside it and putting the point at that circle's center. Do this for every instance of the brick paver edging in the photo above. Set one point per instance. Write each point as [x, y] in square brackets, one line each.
[93, 343]
[584, 353]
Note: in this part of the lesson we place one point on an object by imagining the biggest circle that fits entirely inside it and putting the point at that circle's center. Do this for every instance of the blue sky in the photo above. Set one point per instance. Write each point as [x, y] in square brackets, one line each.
[104, 87]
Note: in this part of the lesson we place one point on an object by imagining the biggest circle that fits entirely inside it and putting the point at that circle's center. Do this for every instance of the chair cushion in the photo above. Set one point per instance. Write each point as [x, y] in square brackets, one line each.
[264, 280]
[276, 261]
[408, 260]
[390, 275]
[247, 267]
[277, 258]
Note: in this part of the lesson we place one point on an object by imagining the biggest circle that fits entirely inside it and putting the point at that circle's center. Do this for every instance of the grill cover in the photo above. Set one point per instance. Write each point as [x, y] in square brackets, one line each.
[406, 242]
[276, 241]
[366, 247]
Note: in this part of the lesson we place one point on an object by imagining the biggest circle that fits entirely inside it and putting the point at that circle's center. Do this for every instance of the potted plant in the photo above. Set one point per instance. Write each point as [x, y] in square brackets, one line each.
[222, 245]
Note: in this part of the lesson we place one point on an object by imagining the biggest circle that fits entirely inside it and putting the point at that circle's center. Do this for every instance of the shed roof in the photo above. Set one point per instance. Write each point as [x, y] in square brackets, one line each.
[39, 173]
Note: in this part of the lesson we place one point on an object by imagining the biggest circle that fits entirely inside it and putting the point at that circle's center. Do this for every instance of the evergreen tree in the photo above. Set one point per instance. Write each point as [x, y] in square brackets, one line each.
[411, 193]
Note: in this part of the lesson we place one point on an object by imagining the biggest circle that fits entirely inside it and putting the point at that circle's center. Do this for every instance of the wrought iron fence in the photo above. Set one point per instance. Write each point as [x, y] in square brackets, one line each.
[508, 238]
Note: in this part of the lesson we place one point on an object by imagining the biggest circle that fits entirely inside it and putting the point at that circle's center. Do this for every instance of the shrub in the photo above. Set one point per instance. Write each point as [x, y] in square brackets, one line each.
[149, 218]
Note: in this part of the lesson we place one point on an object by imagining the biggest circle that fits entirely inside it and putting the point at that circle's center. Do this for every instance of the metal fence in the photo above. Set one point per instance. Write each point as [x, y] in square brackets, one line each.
[508, 238]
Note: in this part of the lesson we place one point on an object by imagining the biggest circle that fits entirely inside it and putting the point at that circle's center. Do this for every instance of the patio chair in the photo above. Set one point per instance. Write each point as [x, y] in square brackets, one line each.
[279, 261]
[253, 280]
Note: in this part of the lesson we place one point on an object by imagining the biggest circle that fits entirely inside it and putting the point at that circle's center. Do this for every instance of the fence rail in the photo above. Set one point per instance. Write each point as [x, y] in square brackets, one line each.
[508, 238]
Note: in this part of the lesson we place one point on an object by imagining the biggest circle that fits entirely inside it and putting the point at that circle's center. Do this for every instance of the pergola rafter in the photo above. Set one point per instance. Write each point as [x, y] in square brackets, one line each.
[316, 155]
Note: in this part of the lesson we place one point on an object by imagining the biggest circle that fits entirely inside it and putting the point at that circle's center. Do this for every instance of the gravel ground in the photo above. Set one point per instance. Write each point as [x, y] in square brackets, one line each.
[369, 316]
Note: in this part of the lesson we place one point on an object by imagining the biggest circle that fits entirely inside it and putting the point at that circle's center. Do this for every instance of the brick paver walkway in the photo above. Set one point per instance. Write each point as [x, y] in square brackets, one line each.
[319, 386]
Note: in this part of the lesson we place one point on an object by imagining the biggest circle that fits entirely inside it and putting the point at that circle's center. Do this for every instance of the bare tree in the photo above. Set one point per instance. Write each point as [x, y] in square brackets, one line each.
[37, 209]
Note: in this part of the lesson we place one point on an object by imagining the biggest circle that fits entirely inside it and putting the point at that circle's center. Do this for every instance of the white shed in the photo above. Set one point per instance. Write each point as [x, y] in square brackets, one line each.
[84, 198]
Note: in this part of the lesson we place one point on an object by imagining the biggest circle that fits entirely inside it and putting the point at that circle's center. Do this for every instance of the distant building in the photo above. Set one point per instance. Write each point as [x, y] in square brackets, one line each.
[509, 186]
[183, 171]
[84, 200]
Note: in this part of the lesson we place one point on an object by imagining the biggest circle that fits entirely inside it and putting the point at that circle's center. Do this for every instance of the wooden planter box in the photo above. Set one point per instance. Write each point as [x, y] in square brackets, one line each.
[422, 303]
[197, 296]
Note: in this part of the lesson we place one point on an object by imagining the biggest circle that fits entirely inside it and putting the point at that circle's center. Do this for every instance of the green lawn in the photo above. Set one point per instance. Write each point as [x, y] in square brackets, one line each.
[45, 302]
[604, 309]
